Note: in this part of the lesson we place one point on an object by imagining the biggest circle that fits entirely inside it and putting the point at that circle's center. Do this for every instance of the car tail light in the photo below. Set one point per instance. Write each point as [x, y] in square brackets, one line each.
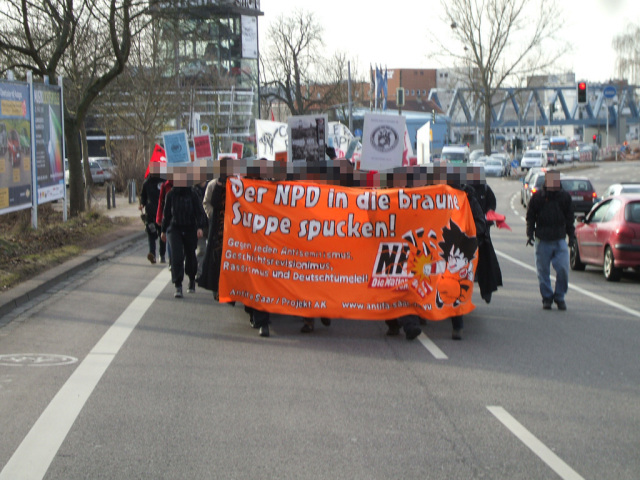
[100, 172]
[533, 190]
[593, 195]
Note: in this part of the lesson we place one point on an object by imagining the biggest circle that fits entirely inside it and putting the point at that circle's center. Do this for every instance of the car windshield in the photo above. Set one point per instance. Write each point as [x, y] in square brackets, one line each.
[453, 156]
[494, 162]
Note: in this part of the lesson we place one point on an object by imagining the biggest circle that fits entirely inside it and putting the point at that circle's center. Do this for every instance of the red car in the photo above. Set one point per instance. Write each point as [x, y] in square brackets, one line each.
[609, 236]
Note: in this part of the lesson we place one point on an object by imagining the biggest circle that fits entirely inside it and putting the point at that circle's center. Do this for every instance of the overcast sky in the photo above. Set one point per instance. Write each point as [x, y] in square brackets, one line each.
[381, 34]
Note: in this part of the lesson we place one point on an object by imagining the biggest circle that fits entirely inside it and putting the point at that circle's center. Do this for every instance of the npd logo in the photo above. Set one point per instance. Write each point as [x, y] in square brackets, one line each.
[391, 268]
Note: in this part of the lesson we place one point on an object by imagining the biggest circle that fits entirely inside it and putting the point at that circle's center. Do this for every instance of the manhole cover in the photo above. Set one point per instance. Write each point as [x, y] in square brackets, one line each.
[36, 360]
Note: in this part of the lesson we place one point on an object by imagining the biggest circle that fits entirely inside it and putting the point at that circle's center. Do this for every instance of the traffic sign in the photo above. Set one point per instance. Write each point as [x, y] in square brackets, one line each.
[609, 91]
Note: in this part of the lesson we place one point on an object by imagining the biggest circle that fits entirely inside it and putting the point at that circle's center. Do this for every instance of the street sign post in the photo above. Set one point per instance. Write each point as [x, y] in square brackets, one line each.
[608, 93]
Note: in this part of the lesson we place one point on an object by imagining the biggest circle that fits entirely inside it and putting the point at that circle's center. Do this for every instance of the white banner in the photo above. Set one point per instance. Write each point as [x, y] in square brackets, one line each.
[271, 137]
[382, 141]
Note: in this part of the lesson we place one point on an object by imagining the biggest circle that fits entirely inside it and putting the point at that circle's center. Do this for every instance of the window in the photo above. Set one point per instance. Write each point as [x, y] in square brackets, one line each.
[632, 212]
[599, 213]
[613, 209]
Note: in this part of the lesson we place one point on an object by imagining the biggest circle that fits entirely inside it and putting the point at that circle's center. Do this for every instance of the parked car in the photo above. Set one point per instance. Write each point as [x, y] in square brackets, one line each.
[581, 190]
[97, 173]
[623, 187]
[493, 167]
[455, 154]
[107, 165]
[552, 157]
[533, 158]
[609, 236]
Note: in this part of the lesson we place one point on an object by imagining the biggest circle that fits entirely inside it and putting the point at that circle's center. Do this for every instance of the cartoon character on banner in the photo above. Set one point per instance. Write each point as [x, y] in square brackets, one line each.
[455, 286]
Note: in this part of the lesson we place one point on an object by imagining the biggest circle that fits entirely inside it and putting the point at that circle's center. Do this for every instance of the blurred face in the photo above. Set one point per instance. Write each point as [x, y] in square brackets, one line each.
[552, 180]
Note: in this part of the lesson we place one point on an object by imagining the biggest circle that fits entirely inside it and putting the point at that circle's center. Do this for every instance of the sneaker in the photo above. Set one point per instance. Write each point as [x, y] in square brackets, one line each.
[456, 334]
[325, 321]
[561, 305]
[151, 257]
[264, 331]
[178, 293]
[192, 286]
[412, 332]
[546, 304]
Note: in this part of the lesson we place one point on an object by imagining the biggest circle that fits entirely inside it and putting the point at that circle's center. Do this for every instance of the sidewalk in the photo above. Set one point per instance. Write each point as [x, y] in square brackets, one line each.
[28, 290]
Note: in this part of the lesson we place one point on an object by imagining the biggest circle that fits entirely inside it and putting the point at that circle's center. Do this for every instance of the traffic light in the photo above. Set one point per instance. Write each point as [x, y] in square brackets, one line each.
[595, 138]
[582, 93]
[400, 97]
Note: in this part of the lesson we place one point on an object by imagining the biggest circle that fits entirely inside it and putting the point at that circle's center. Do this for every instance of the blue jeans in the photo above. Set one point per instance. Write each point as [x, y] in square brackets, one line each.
[556, 253]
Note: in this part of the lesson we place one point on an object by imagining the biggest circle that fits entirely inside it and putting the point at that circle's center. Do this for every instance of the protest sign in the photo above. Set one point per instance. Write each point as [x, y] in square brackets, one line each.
[176, 146]
[271, 137]
[307, 138]
[316, 250]
[202, 147]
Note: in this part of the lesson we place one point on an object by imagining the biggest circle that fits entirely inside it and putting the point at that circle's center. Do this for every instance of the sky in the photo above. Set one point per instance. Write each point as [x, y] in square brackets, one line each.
[380, 35]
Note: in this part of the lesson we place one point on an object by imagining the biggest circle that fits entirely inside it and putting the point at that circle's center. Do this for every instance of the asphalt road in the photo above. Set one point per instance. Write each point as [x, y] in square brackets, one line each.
[107, 376]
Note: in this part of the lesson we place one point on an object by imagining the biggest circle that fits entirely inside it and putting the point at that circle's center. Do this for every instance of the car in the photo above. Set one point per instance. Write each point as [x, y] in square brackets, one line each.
[552, 157]
[566, 156]
[493, 167]
[455, 154]
[107, 165]
[475, 154]
[506, 162]
[623, 187]
[581, 190]
[535, 183]
[533, 158]
[609, 236]
[526, 180]
[97, 173]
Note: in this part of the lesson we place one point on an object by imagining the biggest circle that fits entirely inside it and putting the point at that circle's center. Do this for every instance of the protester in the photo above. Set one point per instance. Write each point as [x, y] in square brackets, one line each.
[149, 197]
[199, 189]
[166, 186]
[214, 202]
[409, 323]
[550, 218]
[185, 220]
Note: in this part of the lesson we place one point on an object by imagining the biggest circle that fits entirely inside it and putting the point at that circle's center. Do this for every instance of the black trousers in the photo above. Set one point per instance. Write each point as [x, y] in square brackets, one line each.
[183, 242]
[153, 234]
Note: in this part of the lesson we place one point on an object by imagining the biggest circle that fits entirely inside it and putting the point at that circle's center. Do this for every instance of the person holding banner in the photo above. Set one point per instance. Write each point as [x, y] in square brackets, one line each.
[149, 197]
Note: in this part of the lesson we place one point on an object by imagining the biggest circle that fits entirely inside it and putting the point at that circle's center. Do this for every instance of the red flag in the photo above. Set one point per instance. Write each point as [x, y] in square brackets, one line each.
[273, 119]
[158, 156]
[498, 218]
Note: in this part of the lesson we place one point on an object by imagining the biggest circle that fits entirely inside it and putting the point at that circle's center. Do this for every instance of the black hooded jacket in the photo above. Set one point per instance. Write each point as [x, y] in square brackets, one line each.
[550, 215]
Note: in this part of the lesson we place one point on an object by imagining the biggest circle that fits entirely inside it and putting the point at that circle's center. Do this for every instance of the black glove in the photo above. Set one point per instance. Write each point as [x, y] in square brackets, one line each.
[530, 242]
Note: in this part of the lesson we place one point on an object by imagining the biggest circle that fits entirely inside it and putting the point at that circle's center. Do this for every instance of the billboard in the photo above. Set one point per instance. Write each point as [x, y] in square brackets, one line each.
[47, 116]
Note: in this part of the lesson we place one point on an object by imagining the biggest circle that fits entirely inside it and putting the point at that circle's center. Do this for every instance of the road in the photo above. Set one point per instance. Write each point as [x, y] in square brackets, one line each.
[107, 376]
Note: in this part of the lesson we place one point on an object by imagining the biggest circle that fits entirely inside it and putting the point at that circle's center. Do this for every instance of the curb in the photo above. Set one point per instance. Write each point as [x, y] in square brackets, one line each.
[34, 287]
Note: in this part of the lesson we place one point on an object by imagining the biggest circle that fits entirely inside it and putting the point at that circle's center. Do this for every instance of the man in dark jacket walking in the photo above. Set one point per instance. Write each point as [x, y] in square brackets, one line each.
[550, 219]
[185, 219]
[149, 201]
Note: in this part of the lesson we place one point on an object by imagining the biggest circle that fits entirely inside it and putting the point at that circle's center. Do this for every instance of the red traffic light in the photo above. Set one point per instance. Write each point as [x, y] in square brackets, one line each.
[595, 138]
[582, 93]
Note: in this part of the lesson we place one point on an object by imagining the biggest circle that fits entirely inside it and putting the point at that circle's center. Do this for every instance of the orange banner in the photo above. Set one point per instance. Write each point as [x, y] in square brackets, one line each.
[314, 250]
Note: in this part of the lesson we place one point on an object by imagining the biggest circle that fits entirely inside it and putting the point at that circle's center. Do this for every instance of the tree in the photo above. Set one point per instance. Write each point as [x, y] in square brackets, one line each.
[627, 47]
[292, 64]
[497, 40]
[86, 42]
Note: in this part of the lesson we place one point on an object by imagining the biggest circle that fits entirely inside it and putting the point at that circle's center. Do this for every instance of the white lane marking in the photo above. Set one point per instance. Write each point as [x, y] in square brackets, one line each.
[536, 446]
[432, 347]
[36, 452]
[581, 290]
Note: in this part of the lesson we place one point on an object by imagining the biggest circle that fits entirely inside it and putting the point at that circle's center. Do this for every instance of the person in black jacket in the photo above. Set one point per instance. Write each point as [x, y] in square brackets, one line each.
[550, 219]
[183, 212]
[149, 201]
